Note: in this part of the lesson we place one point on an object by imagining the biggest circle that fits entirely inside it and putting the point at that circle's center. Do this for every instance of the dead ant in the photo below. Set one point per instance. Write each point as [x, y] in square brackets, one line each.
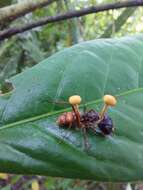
[99, 123]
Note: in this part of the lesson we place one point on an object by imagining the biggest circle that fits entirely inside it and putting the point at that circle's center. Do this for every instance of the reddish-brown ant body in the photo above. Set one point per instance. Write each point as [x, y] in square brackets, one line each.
[97, 122]
[67, 119]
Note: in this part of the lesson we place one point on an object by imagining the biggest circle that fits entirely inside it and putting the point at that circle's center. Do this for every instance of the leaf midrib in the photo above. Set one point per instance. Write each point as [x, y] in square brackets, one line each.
[38, 117]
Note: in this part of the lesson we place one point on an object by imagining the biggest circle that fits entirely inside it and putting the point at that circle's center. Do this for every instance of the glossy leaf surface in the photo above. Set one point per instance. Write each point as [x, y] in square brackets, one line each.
[32, 143]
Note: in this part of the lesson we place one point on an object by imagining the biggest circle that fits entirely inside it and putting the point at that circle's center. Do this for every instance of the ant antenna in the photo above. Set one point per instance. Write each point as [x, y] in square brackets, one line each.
[58, 102]
[109, 100]
[75, 101]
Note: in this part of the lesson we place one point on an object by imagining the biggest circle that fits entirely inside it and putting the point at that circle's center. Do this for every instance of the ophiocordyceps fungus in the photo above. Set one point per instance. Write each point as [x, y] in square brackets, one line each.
[109, 100]
[75, 100]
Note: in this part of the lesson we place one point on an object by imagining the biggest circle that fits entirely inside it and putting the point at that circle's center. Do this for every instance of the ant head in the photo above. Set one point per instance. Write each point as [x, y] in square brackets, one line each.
[106, 125]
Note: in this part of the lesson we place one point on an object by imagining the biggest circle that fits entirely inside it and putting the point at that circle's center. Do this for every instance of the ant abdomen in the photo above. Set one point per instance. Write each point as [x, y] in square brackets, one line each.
[67, 119]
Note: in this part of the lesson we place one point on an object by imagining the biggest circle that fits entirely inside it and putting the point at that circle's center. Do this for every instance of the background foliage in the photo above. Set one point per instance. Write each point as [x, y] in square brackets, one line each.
[27, 49]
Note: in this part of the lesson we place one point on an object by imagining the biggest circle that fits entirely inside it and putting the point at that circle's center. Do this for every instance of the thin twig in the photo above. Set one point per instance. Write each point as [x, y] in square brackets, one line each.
[12, 12]
[71, 14]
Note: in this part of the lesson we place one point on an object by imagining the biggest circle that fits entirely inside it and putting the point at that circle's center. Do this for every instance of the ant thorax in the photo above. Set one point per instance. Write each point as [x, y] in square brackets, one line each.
[89, 118]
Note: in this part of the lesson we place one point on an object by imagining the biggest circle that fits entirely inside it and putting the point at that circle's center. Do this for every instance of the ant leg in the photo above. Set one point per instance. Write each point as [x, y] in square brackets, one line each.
[66, 135]
[97, 132]
[86, 144]
[69, 127]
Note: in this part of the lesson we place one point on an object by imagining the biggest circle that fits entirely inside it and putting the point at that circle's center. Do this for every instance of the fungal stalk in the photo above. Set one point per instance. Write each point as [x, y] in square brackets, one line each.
[75, 100]
[109, 100]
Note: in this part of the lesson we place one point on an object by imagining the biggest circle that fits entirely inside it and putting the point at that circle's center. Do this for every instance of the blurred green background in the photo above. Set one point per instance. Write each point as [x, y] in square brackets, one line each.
[29, 48]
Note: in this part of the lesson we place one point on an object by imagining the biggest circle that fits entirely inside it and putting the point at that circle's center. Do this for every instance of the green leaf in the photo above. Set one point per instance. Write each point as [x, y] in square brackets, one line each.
[32, 143]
